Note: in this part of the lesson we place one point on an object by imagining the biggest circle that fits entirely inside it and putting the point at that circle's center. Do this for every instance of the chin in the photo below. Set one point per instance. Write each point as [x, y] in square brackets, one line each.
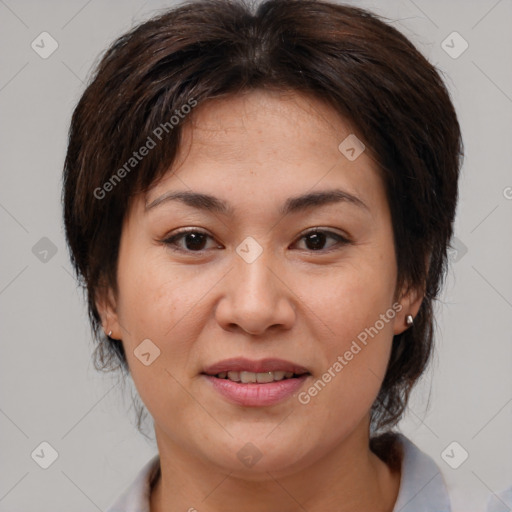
[252, 457]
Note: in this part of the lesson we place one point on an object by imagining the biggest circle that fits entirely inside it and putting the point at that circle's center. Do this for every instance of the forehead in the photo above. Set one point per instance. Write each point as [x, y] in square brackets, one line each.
[270, 143]
[283, 120]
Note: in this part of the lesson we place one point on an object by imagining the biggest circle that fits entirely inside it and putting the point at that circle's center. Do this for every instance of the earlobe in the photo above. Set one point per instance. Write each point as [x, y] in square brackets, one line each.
[107, 309]
[411, 303]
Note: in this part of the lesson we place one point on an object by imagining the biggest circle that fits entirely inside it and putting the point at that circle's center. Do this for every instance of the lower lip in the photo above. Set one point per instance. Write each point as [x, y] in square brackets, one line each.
[256, 394]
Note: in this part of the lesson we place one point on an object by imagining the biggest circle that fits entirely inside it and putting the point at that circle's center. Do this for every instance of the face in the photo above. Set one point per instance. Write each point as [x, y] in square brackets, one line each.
[287, 266]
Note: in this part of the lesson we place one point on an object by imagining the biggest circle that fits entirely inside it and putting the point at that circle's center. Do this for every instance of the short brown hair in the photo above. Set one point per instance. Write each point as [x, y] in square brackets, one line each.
[366, 70]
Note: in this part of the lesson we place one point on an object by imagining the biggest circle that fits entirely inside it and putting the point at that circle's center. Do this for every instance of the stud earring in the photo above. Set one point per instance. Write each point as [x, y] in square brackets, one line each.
[409, 320]
[109, 334]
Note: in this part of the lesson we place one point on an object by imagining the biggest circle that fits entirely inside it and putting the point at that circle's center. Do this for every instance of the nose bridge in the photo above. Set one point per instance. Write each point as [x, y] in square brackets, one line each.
[254, 279]
[256, 298]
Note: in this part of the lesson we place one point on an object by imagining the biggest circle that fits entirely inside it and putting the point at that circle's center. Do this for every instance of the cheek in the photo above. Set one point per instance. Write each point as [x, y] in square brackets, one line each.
[357, 318]
[155, 295]
[165, 304]
[351, 299]
[158, 304]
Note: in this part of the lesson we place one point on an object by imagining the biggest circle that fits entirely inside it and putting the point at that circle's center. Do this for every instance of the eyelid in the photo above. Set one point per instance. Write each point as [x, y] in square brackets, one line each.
[326, 230]
[169, 239]
[343, 239]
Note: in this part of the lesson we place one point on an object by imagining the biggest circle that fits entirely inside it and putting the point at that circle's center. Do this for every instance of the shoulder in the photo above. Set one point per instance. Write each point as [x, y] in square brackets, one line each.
[500, 502]
[135, 498]
[422, 487]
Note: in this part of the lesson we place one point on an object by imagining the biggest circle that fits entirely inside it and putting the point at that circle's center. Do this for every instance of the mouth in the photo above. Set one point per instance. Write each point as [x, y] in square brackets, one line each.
[256, 383]
[249, 371]
[246, 377]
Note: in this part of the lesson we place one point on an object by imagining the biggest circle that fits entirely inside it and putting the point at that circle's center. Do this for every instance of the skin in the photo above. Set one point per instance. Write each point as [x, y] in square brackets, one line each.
[293, 302]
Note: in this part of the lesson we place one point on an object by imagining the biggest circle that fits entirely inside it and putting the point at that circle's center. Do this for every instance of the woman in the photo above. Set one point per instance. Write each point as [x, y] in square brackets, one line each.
[258, 201]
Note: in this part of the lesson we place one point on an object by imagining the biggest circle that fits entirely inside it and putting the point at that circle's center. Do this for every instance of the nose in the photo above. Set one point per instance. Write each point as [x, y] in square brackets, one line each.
[256, 298]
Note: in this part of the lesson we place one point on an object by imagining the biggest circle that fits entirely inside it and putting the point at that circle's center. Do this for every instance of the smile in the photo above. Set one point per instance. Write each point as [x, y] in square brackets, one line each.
[255, 383]
[247, 377]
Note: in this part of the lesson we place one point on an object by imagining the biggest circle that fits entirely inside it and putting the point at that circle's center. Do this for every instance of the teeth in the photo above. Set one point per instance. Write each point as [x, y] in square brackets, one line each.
[234, 376]
[247, 377]
[251, 377]
[265, 377]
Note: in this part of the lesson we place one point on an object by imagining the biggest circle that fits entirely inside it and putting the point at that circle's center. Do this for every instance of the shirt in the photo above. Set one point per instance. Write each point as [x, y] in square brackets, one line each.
[422, 487]
[500, 502]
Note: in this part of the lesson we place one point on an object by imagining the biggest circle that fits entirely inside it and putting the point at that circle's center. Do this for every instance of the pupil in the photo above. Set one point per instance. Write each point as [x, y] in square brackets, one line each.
[196, 243]
[318, 240]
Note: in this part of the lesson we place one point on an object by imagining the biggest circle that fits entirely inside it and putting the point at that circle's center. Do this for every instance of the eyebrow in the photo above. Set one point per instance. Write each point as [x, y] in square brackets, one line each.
[291, 205]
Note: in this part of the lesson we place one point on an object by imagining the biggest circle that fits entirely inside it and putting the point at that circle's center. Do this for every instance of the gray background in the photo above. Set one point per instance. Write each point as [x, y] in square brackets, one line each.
[49, 388]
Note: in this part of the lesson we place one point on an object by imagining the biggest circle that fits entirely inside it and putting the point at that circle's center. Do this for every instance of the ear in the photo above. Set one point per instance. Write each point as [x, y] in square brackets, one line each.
[106, 305]
[410, 300]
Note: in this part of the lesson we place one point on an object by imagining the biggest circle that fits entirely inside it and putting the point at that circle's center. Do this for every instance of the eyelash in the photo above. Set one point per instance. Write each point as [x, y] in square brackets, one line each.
[171, 241]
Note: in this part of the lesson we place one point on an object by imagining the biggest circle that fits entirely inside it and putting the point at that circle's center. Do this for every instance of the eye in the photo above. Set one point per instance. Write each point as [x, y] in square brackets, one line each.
[194, 240]
[316, 238]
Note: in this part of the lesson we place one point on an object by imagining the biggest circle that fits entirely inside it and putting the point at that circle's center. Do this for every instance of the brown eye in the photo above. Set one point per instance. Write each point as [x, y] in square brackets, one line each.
[316, 240]
[193, 241]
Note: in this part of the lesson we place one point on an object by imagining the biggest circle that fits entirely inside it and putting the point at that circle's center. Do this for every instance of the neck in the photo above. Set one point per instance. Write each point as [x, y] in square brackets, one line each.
[348, 478]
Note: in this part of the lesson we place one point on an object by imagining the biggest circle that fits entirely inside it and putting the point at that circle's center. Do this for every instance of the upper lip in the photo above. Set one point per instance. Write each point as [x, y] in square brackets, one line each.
[239, 364]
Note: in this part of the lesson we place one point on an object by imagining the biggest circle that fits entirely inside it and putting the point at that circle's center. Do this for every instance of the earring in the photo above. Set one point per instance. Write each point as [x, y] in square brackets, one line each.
[409, 320]
[109, 334]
